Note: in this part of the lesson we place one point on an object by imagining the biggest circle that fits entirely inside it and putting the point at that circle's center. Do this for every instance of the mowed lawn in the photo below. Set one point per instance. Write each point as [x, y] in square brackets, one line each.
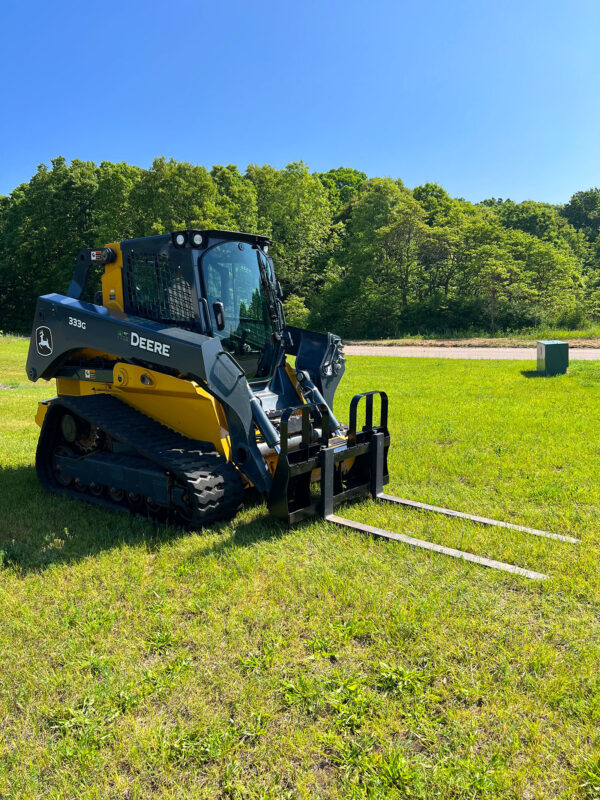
[252, 661]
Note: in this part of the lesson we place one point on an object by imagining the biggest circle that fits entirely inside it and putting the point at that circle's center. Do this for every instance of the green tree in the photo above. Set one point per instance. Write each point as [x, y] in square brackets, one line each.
[545, 222]
[264, 179]
[45, 223]
[297, 209]
[380, 256]
[171, 195]
[583, 212]
[237, 207]
[364, 257]
[435, 201]
[499, 281]
[342, 184]
[113, 211]
[296, 312]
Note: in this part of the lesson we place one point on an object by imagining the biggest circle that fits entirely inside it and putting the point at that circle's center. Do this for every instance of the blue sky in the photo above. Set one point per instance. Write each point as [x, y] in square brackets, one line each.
[486, 98]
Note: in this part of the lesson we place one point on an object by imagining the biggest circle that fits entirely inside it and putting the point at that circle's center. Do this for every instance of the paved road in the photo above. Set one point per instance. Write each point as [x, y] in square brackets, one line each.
[509, 353]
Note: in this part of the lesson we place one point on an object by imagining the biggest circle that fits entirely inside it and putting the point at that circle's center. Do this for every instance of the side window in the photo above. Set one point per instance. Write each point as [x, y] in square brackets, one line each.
[157, 290]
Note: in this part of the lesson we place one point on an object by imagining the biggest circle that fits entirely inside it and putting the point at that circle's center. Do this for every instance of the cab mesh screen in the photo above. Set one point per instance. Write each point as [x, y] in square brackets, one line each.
[157, 290]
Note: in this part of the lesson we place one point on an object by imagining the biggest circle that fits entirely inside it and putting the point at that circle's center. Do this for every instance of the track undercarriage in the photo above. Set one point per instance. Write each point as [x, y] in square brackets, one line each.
[98, 449]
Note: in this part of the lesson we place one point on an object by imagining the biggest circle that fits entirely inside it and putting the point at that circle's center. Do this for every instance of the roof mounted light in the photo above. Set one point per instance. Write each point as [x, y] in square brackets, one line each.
[180, 239]
[197, 239]
[265, 249]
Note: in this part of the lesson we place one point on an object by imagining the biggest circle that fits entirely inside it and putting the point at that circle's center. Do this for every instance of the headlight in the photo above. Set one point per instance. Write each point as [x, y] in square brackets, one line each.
[180, 239]
[197, 239]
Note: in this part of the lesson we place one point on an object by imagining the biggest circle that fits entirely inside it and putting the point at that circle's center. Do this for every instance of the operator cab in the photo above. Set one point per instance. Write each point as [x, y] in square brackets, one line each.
[218, 283]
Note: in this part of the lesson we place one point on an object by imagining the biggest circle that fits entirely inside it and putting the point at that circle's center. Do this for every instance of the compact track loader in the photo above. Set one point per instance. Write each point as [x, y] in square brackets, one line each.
[175, 394]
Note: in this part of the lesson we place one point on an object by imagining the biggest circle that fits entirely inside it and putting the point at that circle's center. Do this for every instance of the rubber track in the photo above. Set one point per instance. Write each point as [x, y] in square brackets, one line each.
[214, 483]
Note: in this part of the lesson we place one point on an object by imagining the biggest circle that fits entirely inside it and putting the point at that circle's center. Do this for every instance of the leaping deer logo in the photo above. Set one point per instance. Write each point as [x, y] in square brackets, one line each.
[44, 341]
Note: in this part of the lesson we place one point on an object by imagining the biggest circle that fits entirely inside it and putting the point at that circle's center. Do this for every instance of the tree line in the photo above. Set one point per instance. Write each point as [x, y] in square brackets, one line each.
[364, 257]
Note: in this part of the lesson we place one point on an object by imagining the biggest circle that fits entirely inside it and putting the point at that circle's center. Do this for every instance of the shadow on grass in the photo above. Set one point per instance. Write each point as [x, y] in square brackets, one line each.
[39, 529]
[244, 534]
[532, 373]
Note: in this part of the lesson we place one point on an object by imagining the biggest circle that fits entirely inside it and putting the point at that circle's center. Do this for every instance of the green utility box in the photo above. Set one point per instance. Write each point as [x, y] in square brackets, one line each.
[552, 357]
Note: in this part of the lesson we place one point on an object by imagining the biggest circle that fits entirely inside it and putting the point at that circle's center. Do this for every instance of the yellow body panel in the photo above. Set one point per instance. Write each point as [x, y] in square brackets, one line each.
[180, 404]
[112, 281]
[41, 412]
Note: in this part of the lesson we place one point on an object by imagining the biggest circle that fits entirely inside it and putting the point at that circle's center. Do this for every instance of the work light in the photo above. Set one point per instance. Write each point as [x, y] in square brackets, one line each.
[180, 239]
[197, 239]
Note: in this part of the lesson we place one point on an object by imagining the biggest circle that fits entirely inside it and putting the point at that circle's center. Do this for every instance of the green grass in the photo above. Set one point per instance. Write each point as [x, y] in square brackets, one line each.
[590, 331]
[519, 338]
[252, 661]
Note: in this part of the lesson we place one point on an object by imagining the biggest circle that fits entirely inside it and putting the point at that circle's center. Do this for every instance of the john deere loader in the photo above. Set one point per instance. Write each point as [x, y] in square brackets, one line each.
[175, 393]
[174, 390]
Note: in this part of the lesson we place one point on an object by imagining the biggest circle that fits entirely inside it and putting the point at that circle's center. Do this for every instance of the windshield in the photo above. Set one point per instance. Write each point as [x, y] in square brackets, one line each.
[234, 274]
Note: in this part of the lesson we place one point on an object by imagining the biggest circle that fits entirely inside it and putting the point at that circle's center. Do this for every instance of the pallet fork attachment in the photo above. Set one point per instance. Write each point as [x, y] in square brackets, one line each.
[343, 468]
[450, 551]
[437, 548]
[291, 498]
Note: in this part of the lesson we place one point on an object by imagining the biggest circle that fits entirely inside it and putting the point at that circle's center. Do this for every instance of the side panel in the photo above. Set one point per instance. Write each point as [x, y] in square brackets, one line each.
[41, 411]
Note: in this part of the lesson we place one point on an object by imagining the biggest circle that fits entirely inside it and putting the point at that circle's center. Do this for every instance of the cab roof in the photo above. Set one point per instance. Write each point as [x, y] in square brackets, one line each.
[207, 235]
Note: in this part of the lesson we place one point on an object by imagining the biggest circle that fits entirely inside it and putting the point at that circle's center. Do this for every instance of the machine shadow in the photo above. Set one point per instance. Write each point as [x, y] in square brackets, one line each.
[245, 534]
[39, 530]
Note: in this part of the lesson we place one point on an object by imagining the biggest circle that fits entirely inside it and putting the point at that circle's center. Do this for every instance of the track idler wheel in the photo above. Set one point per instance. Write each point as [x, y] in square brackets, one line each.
[68, 428]
[135, 501]
[153, 507]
